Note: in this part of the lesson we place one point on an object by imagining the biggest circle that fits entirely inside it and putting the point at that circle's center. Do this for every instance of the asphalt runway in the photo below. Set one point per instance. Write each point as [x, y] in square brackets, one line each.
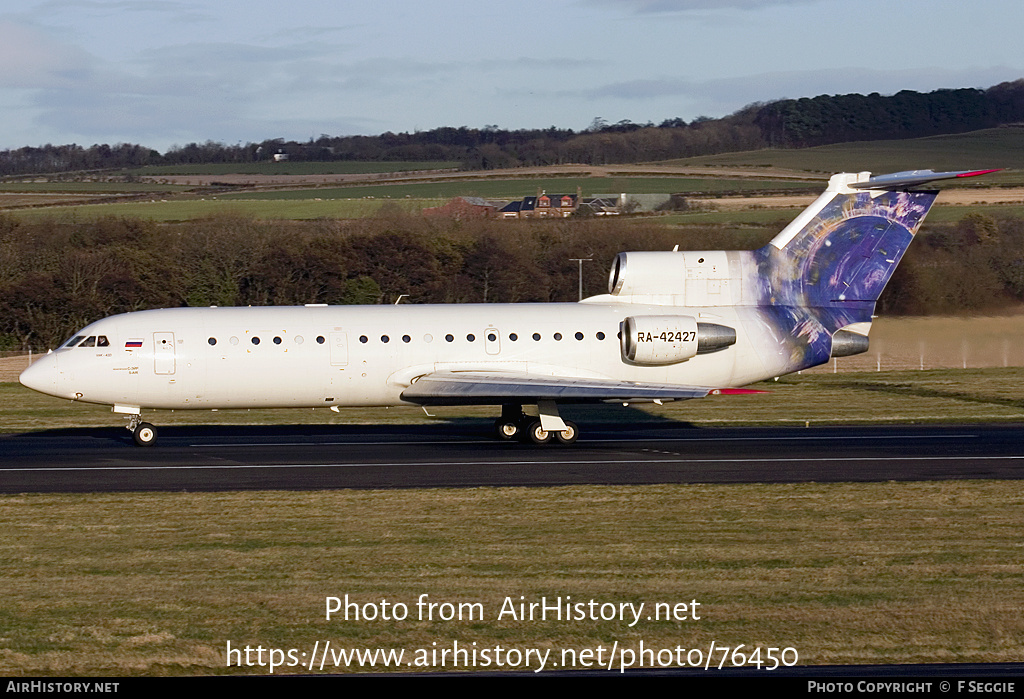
[461, 454]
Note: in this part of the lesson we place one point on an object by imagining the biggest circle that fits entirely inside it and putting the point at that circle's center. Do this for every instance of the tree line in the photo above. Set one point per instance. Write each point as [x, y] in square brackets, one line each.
[785, 124]
[907, 114]
[56, 277]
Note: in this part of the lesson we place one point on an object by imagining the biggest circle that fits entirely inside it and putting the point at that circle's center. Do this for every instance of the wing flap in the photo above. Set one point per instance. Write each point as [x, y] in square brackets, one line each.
[478, 388]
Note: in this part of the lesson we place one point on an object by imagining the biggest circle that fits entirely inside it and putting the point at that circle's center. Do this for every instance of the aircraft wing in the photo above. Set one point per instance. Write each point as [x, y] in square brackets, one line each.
[479, 388]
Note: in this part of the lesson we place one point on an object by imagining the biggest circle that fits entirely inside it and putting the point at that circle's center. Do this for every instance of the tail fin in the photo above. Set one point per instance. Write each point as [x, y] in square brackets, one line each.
[842, 250]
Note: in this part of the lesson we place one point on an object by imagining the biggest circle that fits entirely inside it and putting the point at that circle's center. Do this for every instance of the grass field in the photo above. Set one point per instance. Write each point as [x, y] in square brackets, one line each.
[990, 148]
[290, 168]
[315, 207]
[127, 584]
[939, 213]
[86, 187]
[529, 185]
[186, 209]
[360, 201]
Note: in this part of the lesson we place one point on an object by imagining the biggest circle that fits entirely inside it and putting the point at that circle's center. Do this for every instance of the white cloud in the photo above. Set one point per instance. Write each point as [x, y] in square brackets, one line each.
[30, 59]
[675, 6]
[179, 11]
[739, 91]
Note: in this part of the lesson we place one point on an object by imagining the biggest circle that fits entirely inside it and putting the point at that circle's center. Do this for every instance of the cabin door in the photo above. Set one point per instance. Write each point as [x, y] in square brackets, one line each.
[163, 353]
[339, 349]
[492, 341]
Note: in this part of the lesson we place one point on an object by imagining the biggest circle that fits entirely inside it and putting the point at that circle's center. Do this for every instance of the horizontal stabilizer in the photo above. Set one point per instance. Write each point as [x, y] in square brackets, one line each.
[478, 388]
[912, 178]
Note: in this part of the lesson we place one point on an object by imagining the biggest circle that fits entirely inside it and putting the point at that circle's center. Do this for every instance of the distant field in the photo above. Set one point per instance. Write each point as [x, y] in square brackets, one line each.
[186, 209]
[10, 200]
[990, 148]
[361, 201]
[981, 149]
[528, 186]
[312, 208]
[938, 214]
[86, 187]
[346, 167]
[752, 217]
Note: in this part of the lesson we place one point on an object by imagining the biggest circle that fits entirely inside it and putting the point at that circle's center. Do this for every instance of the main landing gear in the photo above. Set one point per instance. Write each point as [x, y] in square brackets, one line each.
[143, 433]
[546, 428]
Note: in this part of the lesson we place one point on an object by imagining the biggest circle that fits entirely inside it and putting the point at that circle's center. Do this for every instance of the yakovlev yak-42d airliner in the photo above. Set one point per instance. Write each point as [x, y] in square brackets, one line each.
[673, 325]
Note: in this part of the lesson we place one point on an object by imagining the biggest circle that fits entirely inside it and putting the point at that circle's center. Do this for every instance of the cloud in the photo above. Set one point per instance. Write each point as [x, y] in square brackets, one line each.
[30, 58]
[179, 11]
[677, 6]
[220, 91]
[741, 90]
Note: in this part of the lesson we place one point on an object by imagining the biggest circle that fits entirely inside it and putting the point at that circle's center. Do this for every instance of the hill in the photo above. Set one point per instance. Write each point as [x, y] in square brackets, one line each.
[988, 148]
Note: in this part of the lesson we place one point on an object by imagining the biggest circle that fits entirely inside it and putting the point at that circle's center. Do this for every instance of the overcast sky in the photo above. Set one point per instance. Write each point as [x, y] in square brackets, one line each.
[163, 72]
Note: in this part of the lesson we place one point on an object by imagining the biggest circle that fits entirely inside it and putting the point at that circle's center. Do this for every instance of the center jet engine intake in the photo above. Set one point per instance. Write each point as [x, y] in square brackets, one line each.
[661, 340]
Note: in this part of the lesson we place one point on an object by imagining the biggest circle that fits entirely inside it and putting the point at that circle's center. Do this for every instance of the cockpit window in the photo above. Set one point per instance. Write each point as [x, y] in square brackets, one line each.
[74, 341]
[89, 341]
[102, 341]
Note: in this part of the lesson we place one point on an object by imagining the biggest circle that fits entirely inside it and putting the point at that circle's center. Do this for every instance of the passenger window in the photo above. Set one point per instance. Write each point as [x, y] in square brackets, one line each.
[558, 336]
[579, 336]
[364, 339]
[277, 340]
[212, 341]
[600, 336]
[255, 341]
[449, 338]
[319, 339]
[536, 337]
[406, 338]
[471, 337]
[513, 337]
[385, 339]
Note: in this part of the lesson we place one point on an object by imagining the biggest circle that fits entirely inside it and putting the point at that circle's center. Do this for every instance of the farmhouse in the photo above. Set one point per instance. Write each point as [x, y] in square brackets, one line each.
[543, 205]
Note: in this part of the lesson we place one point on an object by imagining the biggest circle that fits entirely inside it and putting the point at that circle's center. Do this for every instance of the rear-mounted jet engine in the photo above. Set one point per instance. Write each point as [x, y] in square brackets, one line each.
[661, 340]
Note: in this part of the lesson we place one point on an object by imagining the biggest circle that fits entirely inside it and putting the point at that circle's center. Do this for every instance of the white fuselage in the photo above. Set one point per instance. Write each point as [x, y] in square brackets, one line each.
[693, 321]
[322, 356]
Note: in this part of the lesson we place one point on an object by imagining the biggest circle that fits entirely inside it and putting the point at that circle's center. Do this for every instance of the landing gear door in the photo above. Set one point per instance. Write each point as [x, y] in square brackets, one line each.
[163, 353]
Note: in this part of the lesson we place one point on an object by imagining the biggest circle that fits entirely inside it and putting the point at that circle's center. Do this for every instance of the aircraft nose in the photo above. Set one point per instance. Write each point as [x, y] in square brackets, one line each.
[41, 375]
